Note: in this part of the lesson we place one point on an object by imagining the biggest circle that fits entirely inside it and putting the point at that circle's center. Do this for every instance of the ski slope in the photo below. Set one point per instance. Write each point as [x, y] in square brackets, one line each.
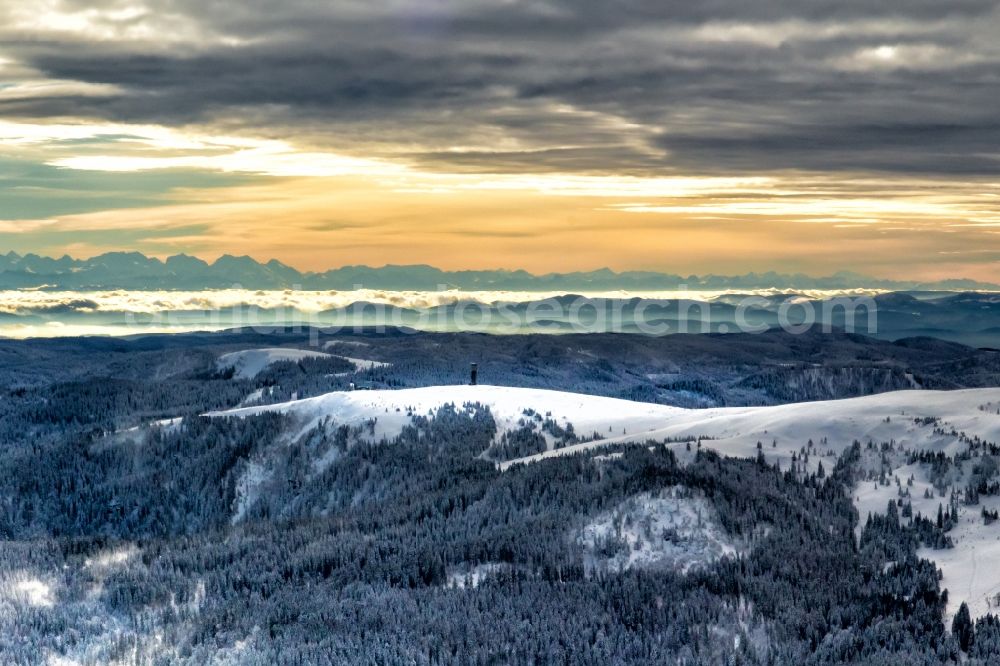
[912, 420]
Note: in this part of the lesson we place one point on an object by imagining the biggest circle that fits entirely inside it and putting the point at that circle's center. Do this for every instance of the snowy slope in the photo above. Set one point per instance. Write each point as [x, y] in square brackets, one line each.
[969, 569]
[364, 363]
[251, 362]
[735, 431]
[640, 523]
[912, 420]
[392, 409]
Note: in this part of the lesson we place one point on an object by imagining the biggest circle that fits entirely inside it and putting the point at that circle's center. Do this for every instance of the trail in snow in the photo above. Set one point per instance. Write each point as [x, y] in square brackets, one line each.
[972, 576]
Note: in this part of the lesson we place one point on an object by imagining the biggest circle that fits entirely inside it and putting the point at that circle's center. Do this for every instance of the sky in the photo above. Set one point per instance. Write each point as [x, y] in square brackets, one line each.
[719, 136]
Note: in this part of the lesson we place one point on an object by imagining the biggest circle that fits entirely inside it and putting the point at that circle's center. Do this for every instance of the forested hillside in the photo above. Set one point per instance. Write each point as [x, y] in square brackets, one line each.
[684, 370]
[136, 529]
[416, 551]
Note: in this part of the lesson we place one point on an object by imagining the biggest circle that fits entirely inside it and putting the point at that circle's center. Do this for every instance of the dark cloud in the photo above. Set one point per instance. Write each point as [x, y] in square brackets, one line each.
[889, 146]
[635, 86]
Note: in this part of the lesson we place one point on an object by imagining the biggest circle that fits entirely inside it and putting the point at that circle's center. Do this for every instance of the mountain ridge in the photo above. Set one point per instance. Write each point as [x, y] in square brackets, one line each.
[134, 270]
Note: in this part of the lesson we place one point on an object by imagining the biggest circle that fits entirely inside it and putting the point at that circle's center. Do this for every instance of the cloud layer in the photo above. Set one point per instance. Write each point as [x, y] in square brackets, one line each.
[641, 86]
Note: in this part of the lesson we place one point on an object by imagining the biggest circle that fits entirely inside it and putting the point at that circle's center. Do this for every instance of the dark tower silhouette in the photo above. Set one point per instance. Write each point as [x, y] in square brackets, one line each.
[473, 371]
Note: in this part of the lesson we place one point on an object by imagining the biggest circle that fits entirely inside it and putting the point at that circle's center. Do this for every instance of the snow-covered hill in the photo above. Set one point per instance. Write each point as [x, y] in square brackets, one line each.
[392, 409]
[249, 363]
[911, 421]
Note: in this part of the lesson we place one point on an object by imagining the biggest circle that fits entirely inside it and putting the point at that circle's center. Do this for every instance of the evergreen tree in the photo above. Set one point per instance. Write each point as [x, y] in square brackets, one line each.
[961, 627]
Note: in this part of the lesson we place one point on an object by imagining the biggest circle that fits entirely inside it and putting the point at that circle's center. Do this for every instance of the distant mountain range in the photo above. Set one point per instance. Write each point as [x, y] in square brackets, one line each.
[133, 270]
